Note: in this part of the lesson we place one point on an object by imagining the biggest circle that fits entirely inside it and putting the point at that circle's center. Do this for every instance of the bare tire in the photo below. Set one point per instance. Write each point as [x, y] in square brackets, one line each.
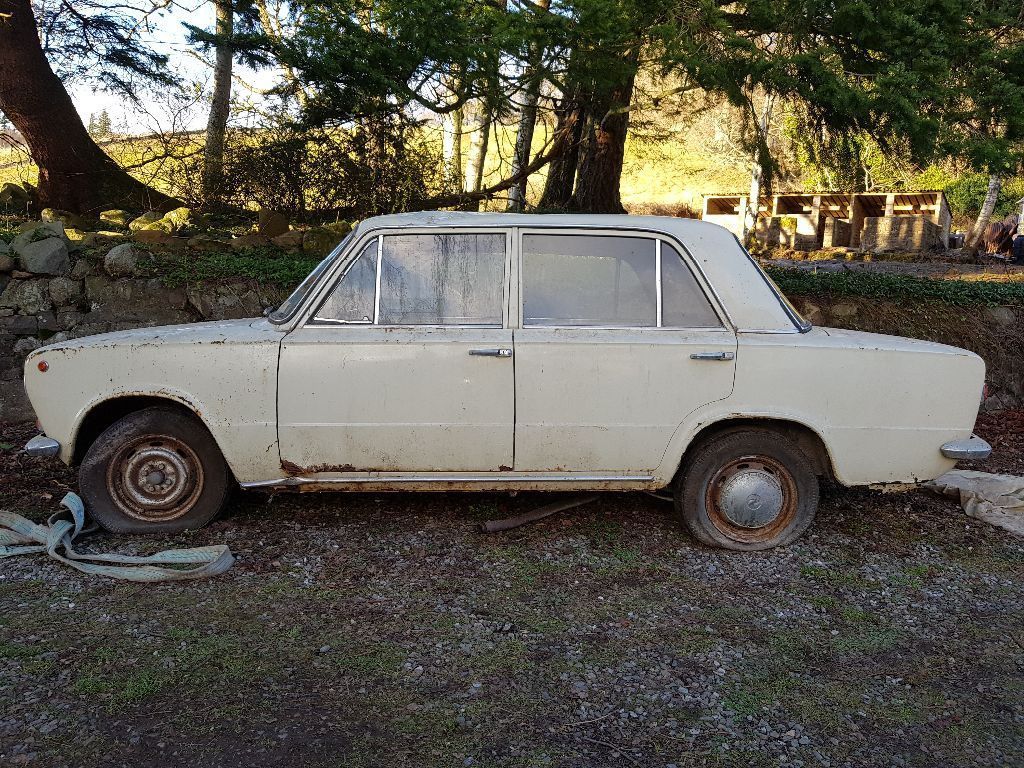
[157, 470]
[747, 490]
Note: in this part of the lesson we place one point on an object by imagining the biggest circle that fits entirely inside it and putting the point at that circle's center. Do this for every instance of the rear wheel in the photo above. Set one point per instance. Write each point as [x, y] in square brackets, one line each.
[157, 470]
[747, 490]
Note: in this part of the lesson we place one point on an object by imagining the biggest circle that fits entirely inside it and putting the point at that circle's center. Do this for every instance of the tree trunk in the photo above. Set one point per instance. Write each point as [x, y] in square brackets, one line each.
[985, 214]
[220, 108]
[527, 124]
[451, 126]
[562, 171]
[74, 173]
[756, 171]
[597, 184]
[477, 156]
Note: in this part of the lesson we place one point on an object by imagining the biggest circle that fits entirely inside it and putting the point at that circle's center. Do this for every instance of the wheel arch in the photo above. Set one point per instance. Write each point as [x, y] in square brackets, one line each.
[101, 415]
[805, 437]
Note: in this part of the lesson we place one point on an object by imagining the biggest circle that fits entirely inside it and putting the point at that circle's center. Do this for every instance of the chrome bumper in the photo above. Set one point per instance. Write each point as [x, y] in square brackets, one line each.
[972, 447]
[41, 445]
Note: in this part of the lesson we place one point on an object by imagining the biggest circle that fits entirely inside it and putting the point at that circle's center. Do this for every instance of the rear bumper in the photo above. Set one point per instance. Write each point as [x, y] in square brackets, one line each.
[972, 447]
[41, 445]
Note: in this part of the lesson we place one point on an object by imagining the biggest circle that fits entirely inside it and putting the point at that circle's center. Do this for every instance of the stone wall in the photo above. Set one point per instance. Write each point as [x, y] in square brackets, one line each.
[836, 233]
[900, 233]
[794, 231]
[96, 297]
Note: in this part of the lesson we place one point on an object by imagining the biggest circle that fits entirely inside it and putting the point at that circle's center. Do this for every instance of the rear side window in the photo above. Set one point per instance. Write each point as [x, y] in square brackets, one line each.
[684, 304]
[610, 281]
[584, 280]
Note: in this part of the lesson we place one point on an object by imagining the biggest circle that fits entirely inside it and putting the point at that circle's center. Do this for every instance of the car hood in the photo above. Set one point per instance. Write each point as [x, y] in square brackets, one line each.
[247, 331]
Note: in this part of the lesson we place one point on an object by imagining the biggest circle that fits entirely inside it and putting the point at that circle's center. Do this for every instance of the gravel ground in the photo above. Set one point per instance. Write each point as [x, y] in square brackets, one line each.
[384, 630]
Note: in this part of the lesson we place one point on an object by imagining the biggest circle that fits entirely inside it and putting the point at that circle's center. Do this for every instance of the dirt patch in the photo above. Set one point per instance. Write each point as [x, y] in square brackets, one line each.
[363, 629]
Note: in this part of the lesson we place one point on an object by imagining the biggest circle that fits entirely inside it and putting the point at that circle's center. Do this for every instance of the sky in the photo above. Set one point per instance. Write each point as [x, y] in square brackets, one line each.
[169, 37]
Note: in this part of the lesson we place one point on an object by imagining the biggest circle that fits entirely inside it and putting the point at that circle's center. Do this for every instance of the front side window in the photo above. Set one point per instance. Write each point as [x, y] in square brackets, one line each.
[449, 279]
[351, 301]
[442, 279]
[589, 280]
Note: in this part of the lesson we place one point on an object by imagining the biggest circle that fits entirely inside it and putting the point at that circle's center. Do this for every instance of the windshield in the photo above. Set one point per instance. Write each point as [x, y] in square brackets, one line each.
[284, 312]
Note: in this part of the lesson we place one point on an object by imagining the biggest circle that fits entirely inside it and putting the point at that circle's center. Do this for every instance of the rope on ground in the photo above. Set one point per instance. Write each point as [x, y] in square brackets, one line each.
[20, 536]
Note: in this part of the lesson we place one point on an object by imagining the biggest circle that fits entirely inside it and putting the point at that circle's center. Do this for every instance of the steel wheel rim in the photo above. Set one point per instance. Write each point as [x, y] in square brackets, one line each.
[752, 499]
[155, 478]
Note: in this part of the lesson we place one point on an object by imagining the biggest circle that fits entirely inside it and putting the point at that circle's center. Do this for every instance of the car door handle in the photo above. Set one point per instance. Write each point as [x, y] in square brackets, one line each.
[499, 352]
[712, 356]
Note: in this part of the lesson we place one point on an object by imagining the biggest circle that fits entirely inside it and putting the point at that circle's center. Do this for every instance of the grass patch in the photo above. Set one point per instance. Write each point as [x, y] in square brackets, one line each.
[265, 265]
[872, 285]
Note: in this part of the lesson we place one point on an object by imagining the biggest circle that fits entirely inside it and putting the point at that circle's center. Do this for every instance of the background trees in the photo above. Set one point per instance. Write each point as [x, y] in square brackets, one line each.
[525, 103]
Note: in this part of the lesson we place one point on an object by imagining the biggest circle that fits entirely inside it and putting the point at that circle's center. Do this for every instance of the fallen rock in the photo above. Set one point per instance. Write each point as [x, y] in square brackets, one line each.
[320, 241]
[116, 217]
[208, 243]
[291, 240]
[4, 247]
[143, 221]
[272, 223]
[31, 231]
[46, 257]
[14, 194]
[29, 297]
[157, 237]
[1001, 315]
[68, 219]
[183, 218]
[6, 263]
[82, 268]
[250, 240]
[65, 292]
[122, 260]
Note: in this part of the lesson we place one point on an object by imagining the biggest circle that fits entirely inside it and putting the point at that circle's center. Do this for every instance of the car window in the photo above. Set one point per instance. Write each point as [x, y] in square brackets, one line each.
[284, 312]
[351, 301]
[589, 280]
[683, 303]
[450, 279]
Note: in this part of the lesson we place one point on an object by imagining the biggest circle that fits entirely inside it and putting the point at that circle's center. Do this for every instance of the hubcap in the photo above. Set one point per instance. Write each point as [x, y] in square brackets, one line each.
[752, 498]
[155, 478]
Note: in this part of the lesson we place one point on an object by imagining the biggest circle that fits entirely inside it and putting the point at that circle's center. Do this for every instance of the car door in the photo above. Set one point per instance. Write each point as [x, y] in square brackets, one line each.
[618, 342]
[406, 364]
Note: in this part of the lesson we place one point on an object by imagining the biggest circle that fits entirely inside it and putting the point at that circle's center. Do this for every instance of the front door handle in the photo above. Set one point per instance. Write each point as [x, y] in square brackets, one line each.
[499, 352]
[712, 356]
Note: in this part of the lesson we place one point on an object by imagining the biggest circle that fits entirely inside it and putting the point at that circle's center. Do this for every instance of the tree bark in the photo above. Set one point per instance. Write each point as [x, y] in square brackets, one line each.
[478, 142]
[985, 214]
[527, 124]
[451, 126]
[597, 184]
[756, 170]
[74, 173]
[561, 178]
[220, 108]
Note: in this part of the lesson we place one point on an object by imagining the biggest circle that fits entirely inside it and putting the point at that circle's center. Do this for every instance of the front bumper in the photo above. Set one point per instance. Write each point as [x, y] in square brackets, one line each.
[972, 447]
[41, 445]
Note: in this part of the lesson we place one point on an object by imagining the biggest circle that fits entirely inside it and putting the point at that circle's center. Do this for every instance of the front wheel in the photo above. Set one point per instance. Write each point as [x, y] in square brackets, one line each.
[747, 490]
[157, 470]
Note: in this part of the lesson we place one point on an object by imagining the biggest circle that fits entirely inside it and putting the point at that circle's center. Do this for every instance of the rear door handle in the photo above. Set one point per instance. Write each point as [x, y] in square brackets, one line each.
[712, 356]
[499, 352]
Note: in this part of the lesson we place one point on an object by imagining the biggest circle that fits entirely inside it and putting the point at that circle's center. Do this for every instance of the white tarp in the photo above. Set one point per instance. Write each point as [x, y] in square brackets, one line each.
[994, 499]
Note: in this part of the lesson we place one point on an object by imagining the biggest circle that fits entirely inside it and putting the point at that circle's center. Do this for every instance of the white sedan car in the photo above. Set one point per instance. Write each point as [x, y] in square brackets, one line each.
[452, 351]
